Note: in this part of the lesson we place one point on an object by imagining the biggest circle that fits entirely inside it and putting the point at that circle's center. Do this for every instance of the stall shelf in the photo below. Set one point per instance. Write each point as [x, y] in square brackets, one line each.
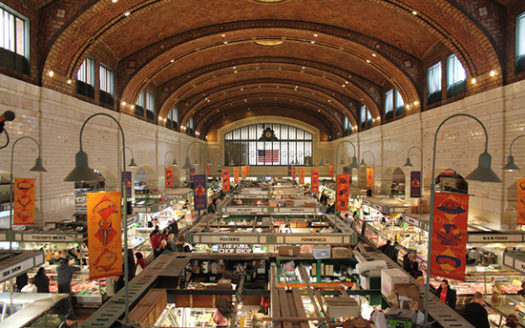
[162, 214]
[387, 206]
[34, 312]
[255, 206]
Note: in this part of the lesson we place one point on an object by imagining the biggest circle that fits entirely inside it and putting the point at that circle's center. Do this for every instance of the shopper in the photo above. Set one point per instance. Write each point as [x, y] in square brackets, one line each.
[223, 310]
[475, 312]
[447, 294]
[172, 245]
[42, 281]
[141, 263]
[174, 227]
[384, 248]
[161, 248]
[511, 321]
[65, 275]
[522, 291]
[155, 241]
[21, 281]
[30, 287]
[408, 262]
[154, 231]
[69, 321]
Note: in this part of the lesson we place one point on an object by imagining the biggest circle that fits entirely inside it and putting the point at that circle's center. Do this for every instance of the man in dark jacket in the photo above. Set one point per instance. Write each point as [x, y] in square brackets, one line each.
[41, 281]
[475, 312]
[65, 275]
[447, 294]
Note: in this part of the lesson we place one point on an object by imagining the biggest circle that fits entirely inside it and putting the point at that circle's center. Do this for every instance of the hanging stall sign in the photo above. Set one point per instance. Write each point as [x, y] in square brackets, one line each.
[199, 192]
[192, 173]
[244, 169]
[294, 171]
[521, 201]
[369, 177]
[104, 234]
[315, 180]
[343, 192]
[289, 170]
[225, 180]
[449, 236]
[247, 170]
[207, 170]
[236, 175]
[126, 179]
[169, 177]
[301, 175]
[331, 171]
[24, 201]
[415, 184]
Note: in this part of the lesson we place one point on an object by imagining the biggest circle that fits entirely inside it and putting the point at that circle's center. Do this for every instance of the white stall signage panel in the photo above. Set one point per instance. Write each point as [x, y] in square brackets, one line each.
[313, 239]
[229, 239]
[245, 210]
[49, 238]
[17, 268]
[519, 265]
[297, 210]
[494, 238]
[412, 221]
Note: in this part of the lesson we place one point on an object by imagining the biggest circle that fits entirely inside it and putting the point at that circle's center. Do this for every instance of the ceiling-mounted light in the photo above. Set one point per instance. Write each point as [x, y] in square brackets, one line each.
[51, 73]
[127, 13]
[414, 12]
[492, 73]
[474, 80]
[68, 81]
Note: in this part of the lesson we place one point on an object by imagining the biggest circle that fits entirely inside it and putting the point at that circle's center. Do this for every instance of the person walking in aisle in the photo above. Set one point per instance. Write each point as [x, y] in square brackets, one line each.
[475, 312]
[30, 287]
[447, 294]
[41, 281]
[65, 274]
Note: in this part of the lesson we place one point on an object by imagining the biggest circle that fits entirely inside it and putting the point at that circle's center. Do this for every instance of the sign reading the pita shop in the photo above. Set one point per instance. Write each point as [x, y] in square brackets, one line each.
[226, 180]
[315, 180]
[521, 201]
[449, 235]
[343, 192]
[104, 234]
[199, 192]
[331, 171]
[369, 177]
[24, 201]
[415, 184]
[169, 177]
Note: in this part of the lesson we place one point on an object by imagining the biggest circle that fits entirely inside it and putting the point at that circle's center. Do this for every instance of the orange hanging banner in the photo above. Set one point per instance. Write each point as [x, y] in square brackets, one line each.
[225, 180]
[369, 177]
[331, 171]
[521, 201]
[243, 172]
[207, 170]
[236, 175]
[247, 170]
[104, 222]
[449, 236]
[294, 172]
[24, 201]
[301, 175]
[343, 192]
[169, 177]
[315, 180]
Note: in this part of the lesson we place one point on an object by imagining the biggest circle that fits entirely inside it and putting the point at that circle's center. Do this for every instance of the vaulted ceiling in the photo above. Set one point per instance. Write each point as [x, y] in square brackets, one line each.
[224, 60]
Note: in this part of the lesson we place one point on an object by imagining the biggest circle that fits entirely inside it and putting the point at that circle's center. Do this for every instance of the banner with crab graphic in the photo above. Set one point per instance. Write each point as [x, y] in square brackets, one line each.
[449, 235]
[199, 192]
[104, 234]
[343, 192]
[24, 202]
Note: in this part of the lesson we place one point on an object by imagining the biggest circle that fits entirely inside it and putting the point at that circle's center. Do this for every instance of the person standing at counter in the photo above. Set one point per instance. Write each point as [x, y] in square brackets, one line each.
[30, 287]
[475, 312]
[65, 275]
[447, 294]
[41, 281]
[522, 291]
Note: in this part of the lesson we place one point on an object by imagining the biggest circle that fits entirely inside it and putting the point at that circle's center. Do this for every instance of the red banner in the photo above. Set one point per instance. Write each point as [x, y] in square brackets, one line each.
[301, 175]
[225, 180]
[243, 172]
[24, 201]
[294, 168]
[236, 175]
[331, 171]
[369, 177]
[343, 192]
[315, 180]
[449, 236]
[169, 177]
[207, 170]
[104, 234]
[521, 201]
[247, 170]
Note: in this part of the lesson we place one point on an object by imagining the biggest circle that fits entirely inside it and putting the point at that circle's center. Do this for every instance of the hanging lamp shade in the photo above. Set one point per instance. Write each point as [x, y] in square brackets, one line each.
[321, 163]
[342, 163]
[196, 163]
[187, 164]
[82, 171]
[363, 162]
[218, 163]
[408, 163]
[510, 166]
[484, 171]
[132, 163]
[174, 163]
[38, 166]
[354, 164]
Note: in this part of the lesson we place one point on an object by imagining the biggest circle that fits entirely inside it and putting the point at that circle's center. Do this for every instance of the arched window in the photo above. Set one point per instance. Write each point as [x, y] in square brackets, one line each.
[269, 144]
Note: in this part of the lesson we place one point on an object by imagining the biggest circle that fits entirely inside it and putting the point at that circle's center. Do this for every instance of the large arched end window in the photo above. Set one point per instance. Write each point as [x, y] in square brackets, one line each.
[269, 144]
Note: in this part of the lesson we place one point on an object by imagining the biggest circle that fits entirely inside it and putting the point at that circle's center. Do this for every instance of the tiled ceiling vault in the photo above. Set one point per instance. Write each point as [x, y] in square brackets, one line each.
[318, 61]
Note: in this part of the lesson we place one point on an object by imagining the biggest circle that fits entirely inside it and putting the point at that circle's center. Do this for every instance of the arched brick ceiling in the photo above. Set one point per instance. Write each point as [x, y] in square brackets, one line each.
[348, 49]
